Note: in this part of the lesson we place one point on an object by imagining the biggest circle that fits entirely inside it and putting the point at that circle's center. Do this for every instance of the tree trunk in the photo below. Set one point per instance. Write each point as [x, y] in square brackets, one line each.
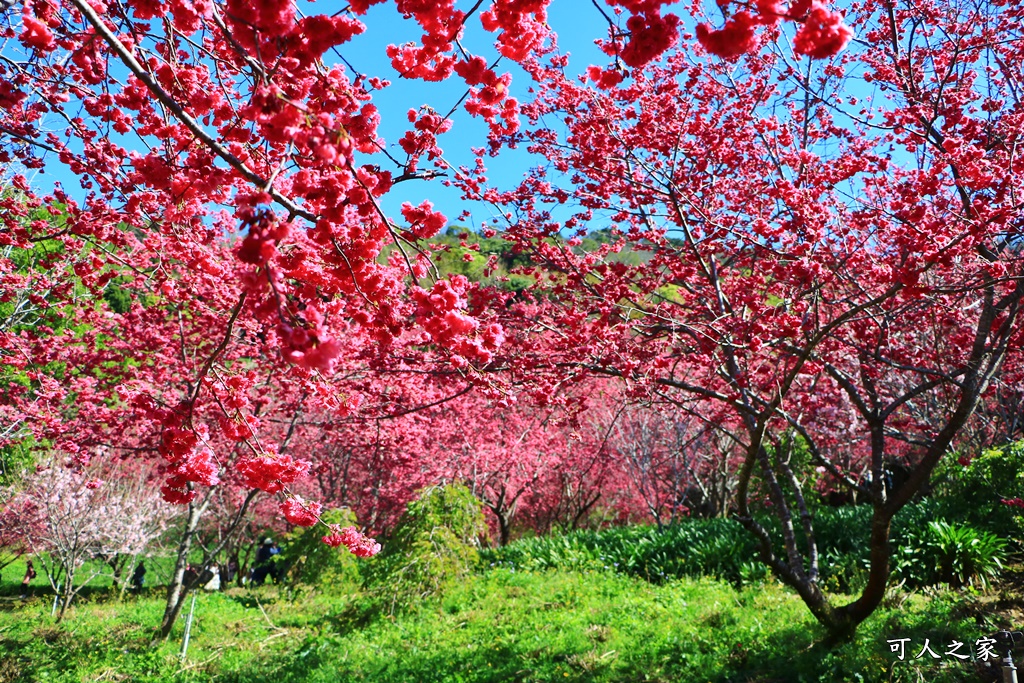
[124, 583]
[67, 593]
[177, 590]
[504, 527]
[853, 614]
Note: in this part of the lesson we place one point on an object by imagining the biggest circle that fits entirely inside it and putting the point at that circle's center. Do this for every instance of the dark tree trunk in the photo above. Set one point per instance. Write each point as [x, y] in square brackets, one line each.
[504, 526]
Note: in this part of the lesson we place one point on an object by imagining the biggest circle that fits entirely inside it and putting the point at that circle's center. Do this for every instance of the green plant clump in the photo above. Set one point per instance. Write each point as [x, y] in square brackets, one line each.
[954, 554]
[926, 551]
[435, 543]
[974, 493]
[307, 560]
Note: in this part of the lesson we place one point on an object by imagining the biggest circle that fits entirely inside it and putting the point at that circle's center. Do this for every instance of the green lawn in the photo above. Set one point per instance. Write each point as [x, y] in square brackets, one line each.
[500, 625]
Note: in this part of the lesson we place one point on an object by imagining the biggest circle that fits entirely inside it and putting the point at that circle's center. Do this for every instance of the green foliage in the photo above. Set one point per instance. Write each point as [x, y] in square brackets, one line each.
[16, 459]
[435, 544]
[974, 494]
[720, 548]
[494, 261]
[723, 549]
[958, 555]
[308, 561]
[118, 298]
[966, 555]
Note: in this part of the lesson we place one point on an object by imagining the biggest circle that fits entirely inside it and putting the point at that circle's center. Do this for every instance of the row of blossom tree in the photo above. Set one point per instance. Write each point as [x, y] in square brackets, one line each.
[530, 466]
[827, 200]
[534, 468]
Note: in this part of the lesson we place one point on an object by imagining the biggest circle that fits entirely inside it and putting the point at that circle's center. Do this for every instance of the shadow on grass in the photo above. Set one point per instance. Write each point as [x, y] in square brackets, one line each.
[89, 649]
[10, 596]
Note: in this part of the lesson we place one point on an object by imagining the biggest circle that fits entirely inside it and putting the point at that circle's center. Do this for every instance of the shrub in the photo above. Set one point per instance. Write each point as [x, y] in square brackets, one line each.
[965, 555]
[307, 560]
[958, 555]
[975, 492]
[705, 547]
[723, 549]
[435, 543]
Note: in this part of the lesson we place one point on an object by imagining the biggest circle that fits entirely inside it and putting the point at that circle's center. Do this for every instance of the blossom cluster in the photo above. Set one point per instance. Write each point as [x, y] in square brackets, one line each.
[822, 32]
[272, 473]
[301, 512]
[191, 462]
[265, 233]
[357, 543]
[309, 345]
[439, 313]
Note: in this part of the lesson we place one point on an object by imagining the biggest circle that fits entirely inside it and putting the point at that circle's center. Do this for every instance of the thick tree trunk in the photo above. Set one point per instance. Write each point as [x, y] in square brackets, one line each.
[504, 527]
[504, 512]
[878, 576]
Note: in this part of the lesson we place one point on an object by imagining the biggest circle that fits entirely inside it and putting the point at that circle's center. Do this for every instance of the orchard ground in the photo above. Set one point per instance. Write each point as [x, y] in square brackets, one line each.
[498, 625]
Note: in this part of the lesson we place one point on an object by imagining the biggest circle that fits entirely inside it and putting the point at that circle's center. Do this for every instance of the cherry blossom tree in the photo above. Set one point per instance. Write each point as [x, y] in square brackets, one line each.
[500, 453]
[15, 524]
[679, 465]
[585, 482]
[817, 254]
[74, 516]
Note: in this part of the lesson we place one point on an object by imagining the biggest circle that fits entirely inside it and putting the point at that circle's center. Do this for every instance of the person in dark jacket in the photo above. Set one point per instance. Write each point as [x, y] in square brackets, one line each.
[264, 562]
[30, 573]
[139, 578]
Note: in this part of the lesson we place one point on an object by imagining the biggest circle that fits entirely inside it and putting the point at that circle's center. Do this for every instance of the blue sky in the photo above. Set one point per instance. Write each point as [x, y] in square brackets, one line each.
[576, 22]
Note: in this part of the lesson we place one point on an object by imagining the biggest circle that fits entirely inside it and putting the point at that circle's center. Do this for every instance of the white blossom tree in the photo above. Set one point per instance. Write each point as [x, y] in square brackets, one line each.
[77, 516]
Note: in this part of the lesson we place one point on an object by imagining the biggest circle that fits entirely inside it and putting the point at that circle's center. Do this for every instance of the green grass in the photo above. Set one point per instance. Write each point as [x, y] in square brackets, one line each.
[158, 571]
[501, 625]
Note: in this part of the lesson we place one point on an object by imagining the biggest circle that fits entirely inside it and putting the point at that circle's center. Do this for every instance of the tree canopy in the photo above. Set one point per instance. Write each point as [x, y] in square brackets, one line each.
[796, 225]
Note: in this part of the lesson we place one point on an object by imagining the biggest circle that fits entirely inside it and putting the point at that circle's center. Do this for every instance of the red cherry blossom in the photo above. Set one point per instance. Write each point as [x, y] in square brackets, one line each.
[823, 33]
[300, 512]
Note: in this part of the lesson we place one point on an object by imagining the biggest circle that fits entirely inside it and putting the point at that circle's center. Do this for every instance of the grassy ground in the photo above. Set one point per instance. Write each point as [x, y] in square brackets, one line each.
[497, 626]
[95, 574]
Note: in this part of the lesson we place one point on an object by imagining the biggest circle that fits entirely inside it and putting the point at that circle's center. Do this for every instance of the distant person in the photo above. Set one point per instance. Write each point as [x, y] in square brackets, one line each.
[30, 573]
[213, 574]
[139, 578]
[264, 560]
[191, 575]
[275, 567]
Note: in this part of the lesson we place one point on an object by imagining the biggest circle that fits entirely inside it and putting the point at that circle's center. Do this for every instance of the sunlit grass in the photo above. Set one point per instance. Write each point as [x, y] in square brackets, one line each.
[501, 625]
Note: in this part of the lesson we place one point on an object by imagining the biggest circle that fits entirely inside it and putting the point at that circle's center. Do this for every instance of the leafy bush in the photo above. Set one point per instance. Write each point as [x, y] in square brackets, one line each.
[706, 547]
[974, 493]
[958, 555]
[723, 549]
[309, 561]
[435, 543]
[964, 555]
